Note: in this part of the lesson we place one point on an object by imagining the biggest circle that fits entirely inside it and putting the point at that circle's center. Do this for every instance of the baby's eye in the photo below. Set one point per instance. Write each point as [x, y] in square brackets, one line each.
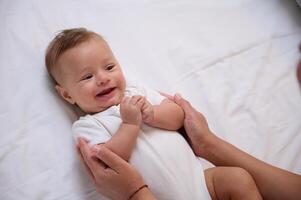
[110, 67]
[87, 77]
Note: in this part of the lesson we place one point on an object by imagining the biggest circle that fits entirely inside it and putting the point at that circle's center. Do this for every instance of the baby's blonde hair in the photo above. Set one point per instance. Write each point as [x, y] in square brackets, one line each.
[63, 41]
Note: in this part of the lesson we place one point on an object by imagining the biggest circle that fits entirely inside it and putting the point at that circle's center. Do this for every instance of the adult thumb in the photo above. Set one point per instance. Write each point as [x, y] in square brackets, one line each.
[184, 104]
[111, 159]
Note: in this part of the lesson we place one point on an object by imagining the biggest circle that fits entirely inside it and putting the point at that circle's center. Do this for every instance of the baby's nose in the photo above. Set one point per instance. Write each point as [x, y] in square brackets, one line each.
[102, 80]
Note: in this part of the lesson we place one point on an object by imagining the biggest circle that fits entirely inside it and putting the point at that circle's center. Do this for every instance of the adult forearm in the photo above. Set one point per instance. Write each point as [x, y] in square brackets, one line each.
[273, 182]
[124, 140]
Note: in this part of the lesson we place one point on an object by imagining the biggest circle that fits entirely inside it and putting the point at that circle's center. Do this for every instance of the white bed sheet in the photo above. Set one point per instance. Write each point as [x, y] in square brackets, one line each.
[234, 60]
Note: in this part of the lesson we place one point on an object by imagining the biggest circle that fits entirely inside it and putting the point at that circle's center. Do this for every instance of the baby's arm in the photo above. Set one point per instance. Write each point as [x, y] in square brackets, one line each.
[168, 115]
[123, 141]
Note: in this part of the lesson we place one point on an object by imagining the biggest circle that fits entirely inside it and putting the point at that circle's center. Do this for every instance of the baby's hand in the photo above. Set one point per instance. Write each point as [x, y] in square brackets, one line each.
[130, 110]
[147, 112]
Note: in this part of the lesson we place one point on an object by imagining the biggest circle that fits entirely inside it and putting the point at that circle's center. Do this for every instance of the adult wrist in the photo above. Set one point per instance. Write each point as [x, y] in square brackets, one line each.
[205, 144]
[209, 147]
[143, 194]
[137, 193]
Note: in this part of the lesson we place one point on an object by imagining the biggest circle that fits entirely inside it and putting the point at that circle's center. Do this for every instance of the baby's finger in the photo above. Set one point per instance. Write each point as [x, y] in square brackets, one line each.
[141, 102]
[125, 100]
[145, 105]
[135, 99]
[144, 117]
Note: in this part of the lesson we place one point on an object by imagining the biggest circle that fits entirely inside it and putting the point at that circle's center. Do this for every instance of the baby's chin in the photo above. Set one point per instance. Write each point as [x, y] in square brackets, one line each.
[98, 110]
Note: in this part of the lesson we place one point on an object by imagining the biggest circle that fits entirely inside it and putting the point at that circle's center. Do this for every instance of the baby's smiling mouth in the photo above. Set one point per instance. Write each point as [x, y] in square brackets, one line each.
[105, 92]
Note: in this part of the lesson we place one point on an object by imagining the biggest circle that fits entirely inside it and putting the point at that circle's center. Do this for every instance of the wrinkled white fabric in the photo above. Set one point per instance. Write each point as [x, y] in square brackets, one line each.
[235, 61]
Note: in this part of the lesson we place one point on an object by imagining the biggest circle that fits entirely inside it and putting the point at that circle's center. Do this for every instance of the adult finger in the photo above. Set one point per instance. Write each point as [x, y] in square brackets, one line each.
[82, 147]
[86, 153]
[184, 104]
[111, 159]
[84, 163]
[84, 150]
[168, 96]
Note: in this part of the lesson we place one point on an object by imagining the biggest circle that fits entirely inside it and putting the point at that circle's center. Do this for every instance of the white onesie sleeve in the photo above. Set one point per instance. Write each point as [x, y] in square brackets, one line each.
[89, 128]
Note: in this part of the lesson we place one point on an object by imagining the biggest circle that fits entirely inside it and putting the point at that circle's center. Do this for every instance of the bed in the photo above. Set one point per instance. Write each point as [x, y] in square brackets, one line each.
[234, 60]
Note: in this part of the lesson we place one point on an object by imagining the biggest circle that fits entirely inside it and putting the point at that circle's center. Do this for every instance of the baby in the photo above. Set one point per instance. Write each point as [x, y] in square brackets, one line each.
[136, 123]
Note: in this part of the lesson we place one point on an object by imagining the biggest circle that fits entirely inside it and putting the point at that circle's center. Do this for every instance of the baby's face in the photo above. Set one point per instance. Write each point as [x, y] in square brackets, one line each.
[90, 76]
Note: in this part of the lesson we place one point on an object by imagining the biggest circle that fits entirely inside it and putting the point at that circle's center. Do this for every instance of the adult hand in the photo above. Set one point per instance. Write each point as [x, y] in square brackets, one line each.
[195, 124]
[113, 177]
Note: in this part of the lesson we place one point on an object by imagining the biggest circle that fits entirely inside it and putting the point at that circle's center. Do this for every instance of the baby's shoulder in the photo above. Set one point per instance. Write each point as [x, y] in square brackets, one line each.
[84, 120]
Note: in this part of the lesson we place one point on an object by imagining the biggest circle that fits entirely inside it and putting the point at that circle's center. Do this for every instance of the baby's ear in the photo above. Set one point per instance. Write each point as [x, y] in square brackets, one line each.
[63, 93]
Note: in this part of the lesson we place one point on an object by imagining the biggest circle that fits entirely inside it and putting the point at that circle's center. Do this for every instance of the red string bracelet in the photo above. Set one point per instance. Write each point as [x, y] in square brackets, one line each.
[140, 188]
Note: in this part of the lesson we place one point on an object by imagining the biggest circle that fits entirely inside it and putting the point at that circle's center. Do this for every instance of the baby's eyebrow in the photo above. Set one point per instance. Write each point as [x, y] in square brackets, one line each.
[107, 60]
[82, 73]
[87, 68]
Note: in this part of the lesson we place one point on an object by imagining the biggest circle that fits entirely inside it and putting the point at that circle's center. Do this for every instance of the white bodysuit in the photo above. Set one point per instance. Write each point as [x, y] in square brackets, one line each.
[164, 158]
